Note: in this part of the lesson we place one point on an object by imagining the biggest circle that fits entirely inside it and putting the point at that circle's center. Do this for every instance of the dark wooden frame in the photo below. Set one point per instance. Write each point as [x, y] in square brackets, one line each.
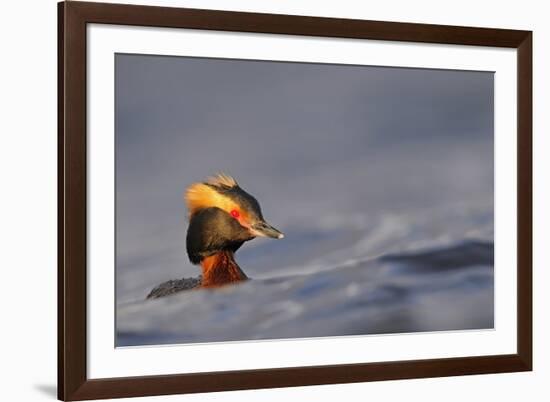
[73, 383]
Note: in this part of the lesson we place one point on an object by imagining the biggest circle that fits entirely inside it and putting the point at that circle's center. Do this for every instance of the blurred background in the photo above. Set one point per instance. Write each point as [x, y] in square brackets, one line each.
[381, 179]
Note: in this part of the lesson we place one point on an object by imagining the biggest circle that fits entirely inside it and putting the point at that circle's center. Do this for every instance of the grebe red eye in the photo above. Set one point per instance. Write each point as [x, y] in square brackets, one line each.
[235, 213]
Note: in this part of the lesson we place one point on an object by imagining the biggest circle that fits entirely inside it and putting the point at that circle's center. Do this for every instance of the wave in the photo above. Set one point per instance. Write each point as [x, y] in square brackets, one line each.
[445, 287]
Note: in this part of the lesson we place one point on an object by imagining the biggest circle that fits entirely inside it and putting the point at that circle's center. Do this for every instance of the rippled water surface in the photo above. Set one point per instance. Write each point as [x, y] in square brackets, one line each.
[402, 283]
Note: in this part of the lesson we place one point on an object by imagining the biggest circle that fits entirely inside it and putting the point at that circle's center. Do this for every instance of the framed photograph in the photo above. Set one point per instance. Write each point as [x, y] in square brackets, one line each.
[252, 200]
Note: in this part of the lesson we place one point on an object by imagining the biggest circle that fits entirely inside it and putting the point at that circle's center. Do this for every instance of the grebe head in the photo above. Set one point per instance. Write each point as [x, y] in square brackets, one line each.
[222, 216]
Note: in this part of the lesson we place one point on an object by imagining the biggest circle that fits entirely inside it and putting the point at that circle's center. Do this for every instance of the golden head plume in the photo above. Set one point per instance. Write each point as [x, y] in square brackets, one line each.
[204, 195]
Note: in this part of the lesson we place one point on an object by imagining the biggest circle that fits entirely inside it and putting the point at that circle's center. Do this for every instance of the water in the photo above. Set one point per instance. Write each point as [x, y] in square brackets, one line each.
[380, 178]
[427, 271]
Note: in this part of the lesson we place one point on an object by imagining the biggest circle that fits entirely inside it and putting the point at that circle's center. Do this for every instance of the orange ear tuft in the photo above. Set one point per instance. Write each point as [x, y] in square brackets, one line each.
[201, 195]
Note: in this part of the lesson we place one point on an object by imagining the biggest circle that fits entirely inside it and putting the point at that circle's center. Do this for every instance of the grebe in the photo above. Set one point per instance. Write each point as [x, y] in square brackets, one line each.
[222, 216]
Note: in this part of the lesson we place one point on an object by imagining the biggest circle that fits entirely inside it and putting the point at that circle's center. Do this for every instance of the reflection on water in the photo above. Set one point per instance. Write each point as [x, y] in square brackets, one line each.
[420, 284]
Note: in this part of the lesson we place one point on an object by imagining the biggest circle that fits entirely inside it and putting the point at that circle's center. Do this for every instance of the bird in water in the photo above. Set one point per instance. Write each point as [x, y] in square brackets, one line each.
[222, 216]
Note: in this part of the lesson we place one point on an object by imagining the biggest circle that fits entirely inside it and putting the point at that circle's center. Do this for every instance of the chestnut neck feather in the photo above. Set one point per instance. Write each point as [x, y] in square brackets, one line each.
[221, 269]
